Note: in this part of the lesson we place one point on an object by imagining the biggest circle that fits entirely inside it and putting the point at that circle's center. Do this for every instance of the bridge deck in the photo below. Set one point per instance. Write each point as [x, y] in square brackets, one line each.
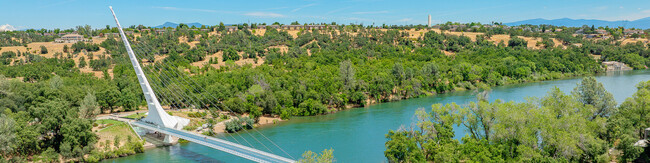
[219, 144]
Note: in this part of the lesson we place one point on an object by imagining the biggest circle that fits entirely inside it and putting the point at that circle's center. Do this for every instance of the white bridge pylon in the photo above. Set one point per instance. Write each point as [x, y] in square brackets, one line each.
[156, 114]
[158, 120]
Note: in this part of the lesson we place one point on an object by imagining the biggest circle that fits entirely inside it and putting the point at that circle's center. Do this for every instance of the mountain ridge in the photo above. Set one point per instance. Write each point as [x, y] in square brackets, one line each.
[174, 25]
[643, 23]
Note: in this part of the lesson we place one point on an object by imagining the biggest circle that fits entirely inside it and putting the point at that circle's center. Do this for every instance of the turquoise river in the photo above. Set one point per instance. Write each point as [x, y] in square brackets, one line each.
[358, 135]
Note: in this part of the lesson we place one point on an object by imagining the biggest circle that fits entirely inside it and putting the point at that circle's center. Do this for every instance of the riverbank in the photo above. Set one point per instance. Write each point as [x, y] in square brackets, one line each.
[358, 135]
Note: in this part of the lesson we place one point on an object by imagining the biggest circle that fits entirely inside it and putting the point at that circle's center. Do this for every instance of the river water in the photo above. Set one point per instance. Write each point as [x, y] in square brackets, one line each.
[358, 135]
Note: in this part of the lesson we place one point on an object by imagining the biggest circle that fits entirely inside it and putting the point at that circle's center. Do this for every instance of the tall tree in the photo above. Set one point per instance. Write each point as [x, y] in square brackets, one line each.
[89, 107]
[591, 92]
[7, 135]
[346, 72]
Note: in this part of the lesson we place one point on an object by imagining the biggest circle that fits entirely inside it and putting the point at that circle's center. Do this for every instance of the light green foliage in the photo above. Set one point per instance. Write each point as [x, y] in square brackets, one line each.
[628, 124]
[558, 127]
[89, 107]
[327, 156]
[346, 72]
[591, 92]
[48, 155]
[7, 135]
[241, 123]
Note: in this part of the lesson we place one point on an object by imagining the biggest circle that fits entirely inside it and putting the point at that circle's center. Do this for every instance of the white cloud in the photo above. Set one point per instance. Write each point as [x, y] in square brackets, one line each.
[7, 27]
[645, 11]
[264, 14]
[370, 12]
[301, 7]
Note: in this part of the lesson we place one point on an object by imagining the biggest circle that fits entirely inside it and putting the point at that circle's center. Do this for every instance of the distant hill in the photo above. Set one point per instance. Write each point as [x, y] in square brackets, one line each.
[640, 23]
[174, 25]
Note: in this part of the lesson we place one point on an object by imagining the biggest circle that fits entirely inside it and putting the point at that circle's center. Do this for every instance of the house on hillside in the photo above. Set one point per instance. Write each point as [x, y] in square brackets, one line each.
[632, 31]
[71, 38]
[114, 35]
[580, 31]
[616, 66]
[319, 27]
[231, 28]
[601, 32]
[292, 27]
[271, 26]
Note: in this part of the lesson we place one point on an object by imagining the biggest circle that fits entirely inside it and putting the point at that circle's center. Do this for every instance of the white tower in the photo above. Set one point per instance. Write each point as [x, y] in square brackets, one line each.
[156, 114]
[429, 22]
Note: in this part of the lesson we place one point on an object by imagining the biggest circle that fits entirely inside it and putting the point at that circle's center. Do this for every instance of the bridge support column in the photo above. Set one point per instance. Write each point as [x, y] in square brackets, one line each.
[170, 139]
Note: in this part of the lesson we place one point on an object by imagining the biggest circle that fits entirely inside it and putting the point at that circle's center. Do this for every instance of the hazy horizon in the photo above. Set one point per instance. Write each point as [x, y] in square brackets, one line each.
[38, 14]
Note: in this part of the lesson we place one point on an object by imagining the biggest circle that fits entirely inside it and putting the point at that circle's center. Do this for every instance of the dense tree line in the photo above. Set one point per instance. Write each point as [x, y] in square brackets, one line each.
[580, 127]
[318, 72]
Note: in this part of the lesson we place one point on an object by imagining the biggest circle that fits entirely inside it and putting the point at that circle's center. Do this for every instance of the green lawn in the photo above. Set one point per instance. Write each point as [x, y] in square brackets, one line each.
[117, 128]
[136, 116]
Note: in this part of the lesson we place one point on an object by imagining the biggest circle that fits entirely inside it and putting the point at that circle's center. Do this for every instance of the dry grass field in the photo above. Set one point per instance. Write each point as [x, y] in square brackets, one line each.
[53, 48]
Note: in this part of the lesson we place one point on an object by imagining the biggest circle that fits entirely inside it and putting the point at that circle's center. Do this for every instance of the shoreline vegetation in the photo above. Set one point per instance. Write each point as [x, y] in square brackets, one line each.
[51, 94]
[583, 126]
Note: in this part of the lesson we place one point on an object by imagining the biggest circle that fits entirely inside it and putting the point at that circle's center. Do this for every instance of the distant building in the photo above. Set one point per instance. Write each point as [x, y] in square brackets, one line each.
[292, 27]
[111, 35]
[319, 27]
[601, 31]
[429, 22]
[616, 66]
[71, 38]
[633, 31]
[231, 28]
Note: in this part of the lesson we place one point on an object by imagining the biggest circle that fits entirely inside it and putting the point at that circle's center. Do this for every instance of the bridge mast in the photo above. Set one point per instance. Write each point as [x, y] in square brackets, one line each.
[156, 114]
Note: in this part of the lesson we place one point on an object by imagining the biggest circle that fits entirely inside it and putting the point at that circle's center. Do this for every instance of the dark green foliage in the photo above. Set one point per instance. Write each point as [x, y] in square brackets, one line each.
[517, 42]
[237, 124]
[43, 50]
[230, 54]
[82, 62]
[77, 47]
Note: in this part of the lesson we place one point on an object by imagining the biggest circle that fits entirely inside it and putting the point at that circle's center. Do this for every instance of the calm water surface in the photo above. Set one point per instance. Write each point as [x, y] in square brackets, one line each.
[358, 135]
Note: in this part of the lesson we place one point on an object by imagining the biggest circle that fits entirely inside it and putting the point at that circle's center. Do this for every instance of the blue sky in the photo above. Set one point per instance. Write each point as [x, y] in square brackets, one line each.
[52, 14]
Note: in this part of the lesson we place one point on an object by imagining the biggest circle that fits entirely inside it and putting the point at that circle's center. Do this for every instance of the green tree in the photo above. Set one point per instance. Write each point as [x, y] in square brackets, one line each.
[43, 50]
[346, 73]
[327, 156]
[48, 155]
[82, 62]
[398, 72]
[7, 135]
[591, 92]
[89, 108]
